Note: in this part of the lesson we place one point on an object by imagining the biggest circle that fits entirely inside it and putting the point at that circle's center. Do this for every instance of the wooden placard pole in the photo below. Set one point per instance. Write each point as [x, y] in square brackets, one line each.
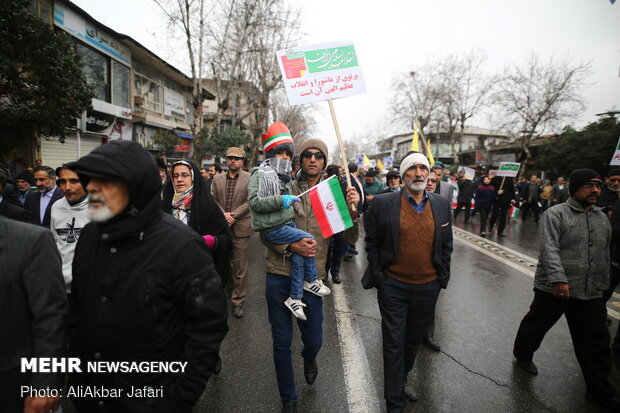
[502, 185]
[341, 145]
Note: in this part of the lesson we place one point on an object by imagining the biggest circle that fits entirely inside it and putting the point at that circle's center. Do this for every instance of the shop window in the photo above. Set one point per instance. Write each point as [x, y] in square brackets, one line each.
[150, 91]
[120, 84]
[96, 70]
[42, 8]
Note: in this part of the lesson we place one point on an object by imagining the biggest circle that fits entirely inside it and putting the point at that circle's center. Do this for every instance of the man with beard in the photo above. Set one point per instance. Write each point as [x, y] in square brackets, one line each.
[571, 276]
[144, 287]
[17, 194]
[408, 278]
[10, 210]
[69, 215]
[40, 203]
[611, 192]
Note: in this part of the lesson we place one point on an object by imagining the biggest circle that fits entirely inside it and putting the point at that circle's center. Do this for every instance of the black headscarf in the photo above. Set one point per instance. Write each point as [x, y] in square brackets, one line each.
[206, 218]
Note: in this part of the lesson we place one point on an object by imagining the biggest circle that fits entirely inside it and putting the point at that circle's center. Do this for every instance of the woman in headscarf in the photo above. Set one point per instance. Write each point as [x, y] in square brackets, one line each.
[186, 198]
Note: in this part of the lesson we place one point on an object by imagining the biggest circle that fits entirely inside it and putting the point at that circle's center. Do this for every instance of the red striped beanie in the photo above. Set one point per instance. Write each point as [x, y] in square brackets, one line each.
[278, 134]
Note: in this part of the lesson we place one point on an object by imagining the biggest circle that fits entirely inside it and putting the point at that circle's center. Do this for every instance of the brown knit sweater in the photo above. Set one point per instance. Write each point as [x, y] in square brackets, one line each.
[414, 260]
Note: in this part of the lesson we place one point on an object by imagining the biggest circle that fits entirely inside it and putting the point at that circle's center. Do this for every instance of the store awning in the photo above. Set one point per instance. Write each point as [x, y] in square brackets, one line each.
[184, 135]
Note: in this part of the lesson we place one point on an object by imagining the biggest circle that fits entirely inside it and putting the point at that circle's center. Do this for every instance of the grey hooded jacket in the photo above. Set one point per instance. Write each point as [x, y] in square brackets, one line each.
[574, 249]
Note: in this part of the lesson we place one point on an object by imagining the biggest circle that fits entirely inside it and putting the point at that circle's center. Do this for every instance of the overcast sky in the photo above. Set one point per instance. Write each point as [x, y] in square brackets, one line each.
[394, 36]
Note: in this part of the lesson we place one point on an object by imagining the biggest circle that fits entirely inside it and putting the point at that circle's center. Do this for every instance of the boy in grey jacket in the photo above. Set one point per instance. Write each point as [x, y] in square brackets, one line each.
[572, 274]
[270, 199]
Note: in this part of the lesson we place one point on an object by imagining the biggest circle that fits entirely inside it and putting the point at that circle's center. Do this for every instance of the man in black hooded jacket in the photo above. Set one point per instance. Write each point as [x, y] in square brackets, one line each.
[144, 289]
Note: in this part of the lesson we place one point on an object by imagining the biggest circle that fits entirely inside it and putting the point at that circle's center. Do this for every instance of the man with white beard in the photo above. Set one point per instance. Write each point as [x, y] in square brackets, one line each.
[144, 287]
[408, 246]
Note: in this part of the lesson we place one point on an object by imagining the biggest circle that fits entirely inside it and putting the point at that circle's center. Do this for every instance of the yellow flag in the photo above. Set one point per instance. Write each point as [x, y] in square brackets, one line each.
[367, 161]
[431, 159]
[380, 165]
[415, 146]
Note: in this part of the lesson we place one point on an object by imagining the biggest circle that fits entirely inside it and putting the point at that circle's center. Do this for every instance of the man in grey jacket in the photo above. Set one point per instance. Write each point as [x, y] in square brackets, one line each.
[572, 273]
[33, 311]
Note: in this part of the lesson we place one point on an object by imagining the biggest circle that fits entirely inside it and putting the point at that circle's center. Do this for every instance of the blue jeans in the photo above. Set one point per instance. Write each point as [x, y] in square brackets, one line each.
[302, 268]
[280, 318]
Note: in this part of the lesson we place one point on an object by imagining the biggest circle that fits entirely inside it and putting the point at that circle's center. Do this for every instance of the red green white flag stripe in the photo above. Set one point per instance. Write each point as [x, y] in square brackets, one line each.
[330, 207]
[276, 140]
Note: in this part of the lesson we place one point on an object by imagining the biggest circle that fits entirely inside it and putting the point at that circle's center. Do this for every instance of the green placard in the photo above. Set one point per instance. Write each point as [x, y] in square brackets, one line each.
[510, 167]
[331, 59]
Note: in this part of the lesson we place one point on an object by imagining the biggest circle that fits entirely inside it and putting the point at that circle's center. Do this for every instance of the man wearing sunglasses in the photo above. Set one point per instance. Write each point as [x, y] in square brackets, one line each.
[69, 215]
[313, 160]
[572, 274]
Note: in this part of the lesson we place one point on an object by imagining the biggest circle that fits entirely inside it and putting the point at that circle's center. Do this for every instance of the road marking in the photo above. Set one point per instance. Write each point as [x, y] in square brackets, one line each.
[359, 384]
[509, 263]
[499, 246]
[458, 237]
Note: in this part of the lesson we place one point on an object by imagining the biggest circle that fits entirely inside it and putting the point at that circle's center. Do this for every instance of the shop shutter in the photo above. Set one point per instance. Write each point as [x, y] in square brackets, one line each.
[54, 153]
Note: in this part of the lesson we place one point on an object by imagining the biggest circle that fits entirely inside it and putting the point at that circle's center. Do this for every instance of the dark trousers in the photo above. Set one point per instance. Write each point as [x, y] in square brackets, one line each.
[499, 212]
[588, 330]
[614, 278]
[467, 206]
[334, 254]
[406, 310]
[484, 215]
[530, 206]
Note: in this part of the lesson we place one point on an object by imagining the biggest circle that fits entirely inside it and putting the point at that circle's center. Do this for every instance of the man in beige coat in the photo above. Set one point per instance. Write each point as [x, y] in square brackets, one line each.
[230, 190]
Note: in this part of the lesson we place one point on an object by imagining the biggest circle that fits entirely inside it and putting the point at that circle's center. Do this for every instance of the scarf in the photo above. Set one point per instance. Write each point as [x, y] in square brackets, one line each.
[270, 172]
[182, 201]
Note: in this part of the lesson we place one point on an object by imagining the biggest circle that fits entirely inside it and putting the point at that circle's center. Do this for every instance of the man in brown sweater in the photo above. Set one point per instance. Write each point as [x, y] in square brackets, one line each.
[408, 245]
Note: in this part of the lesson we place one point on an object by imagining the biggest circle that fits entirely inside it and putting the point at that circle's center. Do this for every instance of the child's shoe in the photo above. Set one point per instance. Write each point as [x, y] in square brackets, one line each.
[297, 307]
[317, 288]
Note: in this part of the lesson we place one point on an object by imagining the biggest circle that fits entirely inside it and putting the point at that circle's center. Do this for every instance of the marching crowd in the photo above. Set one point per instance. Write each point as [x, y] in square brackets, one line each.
[132, 259]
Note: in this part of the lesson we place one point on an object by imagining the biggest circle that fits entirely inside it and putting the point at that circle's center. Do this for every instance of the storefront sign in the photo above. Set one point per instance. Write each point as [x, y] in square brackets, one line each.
[99, 123]
[174, 104]
[77, 26]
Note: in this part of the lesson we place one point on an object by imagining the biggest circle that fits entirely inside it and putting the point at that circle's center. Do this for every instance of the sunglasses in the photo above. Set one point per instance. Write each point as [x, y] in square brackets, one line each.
[234, 158]
[432, 180]
[319, 156]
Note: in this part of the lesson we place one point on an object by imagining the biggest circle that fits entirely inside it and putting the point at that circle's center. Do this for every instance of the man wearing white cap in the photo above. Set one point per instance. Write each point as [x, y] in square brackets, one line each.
[408, 245]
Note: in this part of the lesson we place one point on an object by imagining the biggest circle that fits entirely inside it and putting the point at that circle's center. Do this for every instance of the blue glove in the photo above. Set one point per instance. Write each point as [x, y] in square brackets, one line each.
[288, 201]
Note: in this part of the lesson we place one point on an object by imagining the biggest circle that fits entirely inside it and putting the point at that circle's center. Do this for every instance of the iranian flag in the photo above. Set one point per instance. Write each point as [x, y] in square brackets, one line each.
[330, 207]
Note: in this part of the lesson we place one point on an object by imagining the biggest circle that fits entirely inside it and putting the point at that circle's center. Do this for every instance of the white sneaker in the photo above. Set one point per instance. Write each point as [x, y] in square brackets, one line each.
[297, 307]
[317, 288]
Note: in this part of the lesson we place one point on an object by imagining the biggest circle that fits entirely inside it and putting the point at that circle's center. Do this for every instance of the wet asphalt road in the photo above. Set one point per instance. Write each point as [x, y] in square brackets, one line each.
[477, 319]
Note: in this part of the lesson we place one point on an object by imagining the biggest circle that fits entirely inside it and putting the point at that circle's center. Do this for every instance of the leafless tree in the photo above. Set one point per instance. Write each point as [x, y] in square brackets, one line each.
[234, 42]
[417, 95]
[189, 16]
[539, 95]
[448, 91]
[242, 58]
[467, 91]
